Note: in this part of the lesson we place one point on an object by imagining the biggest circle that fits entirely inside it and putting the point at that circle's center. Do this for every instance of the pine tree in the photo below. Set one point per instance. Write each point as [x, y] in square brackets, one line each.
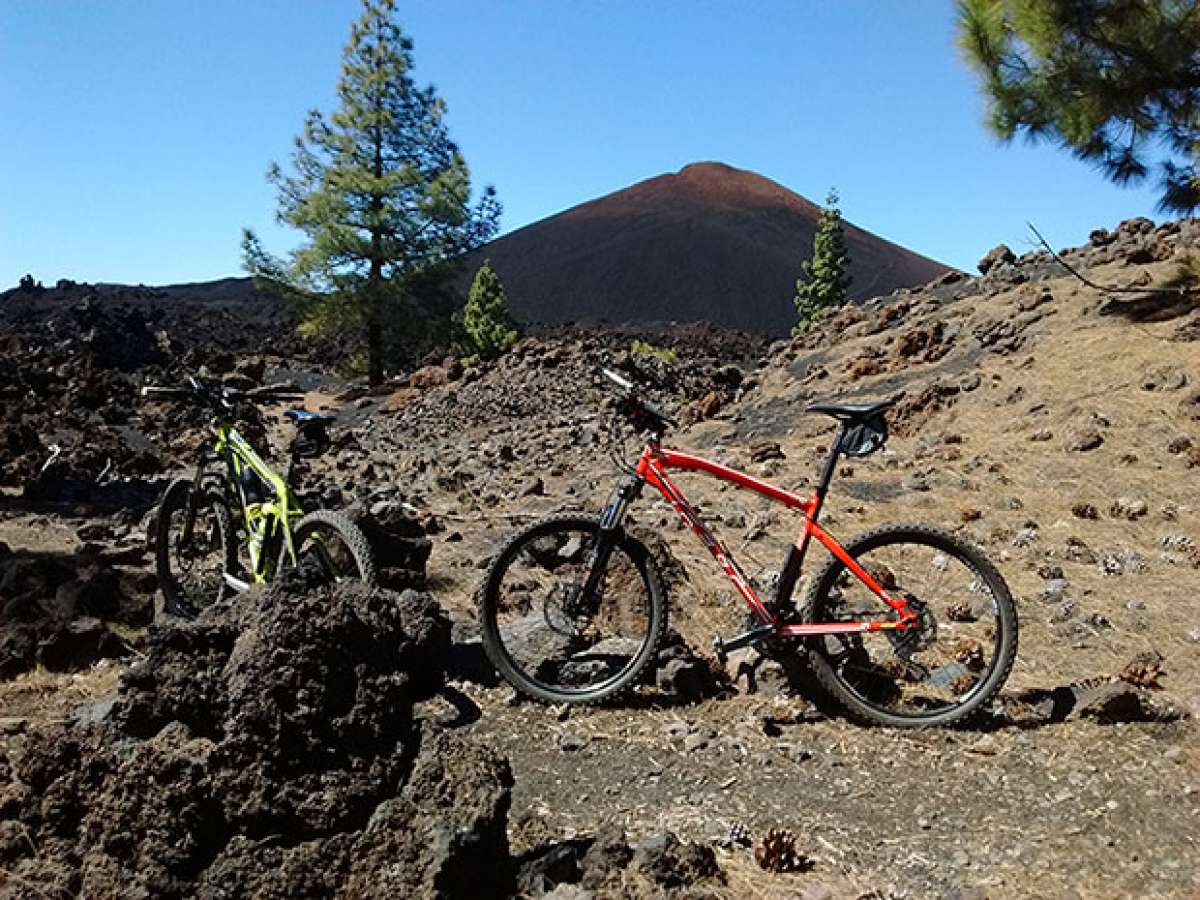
[488, 325]
[825, 278]
[380, 190]
[1114, 81]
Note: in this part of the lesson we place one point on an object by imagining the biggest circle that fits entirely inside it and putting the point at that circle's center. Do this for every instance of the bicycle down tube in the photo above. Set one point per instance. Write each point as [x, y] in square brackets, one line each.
[278, 508]
[652, 468]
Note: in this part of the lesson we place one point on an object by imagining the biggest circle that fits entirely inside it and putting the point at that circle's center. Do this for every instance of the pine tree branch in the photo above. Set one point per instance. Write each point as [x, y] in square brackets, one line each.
[1181, 291]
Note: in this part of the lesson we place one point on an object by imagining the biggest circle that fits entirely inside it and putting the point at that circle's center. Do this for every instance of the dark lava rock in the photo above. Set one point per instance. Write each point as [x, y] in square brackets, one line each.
[79, 644]
[683, 678]
[545, 868]
[751, 672]
[761, 451]
[445, 835]
[1116, 701]
[398, 542]
[683, 674]
[533, 487]
[1188, 329]
[670, 863]
[1180, 443]
[56, 610]
[468, 661]
[998, 255]
[660, 865]
[1102, 700]
[1083, 439]
[266, 749]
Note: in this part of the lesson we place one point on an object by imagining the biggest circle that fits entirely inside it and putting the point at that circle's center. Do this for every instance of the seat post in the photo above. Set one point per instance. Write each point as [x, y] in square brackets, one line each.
[293, 455]
[790, 572]
[835, 450]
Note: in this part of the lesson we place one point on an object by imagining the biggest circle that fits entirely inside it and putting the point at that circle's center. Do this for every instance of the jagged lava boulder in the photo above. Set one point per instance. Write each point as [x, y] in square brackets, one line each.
[55, 611]
[267, 749]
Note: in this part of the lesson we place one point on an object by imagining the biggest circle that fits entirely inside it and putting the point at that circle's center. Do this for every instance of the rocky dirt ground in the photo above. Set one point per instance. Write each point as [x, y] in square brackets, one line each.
[1056, 425]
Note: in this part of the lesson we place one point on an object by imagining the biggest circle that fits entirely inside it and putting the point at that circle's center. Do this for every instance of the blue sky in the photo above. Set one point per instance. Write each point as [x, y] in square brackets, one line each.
[137, 132]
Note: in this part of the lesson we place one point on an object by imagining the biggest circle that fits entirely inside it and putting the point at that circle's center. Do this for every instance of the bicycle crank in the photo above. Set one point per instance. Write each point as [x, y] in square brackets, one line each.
[722, 648]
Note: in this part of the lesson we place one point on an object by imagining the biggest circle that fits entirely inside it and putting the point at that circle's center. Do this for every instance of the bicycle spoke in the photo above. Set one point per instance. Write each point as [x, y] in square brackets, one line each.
[557, 633]
[198, 561]
[191, 570]
[325, 558]
[935, 666]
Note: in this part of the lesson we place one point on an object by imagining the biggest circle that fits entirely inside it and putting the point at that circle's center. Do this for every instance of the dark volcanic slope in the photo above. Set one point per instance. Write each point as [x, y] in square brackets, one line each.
[710, 242]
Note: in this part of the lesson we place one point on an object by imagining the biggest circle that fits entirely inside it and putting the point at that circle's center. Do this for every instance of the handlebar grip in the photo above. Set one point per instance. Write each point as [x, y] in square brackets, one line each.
[623, 383]
[155, 391]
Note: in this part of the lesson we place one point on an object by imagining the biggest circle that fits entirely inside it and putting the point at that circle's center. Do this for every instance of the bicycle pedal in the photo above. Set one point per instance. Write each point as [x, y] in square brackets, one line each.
[719, 651]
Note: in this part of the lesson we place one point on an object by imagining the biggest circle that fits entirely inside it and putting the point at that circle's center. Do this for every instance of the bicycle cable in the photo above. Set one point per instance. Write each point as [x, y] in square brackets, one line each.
[617, 445]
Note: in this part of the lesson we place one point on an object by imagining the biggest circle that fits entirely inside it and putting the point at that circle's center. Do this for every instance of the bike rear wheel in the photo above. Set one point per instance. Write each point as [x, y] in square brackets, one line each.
[191, 567]
[330, 549]
[548, 636]
[939, 673]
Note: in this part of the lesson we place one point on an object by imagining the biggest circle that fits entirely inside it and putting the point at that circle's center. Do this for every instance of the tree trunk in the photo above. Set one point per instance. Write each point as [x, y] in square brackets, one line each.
[375, 326]
[375, 279]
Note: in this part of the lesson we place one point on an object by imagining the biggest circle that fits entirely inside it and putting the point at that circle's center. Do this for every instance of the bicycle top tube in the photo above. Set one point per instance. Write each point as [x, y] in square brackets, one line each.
[655, 460]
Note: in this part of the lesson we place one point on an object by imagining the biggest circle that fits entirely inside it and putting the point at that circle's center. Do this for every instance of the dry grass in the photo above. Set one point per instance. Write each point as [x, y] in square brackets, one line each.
[43, 696]
[1075, 365]
[989, 483]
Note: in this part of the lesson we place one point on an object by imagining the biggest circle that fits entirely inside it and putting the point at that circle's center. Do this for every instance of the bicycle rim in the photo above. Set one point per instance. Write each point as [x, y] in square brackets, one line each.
[198, 563]
[555, 635]
[949, 663]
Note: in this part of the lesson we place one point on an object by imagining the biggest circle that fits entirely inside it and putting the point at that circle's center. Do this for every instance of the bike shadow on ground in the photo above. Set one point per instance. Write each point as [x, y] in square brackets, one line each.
[632, 700]
[83, 498]
[1102, 701]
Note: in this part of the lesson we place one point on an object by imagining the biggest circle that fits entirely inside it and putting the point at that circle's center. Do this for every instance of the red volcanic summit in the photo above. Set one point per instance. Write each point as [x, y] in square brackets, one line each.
[709, 242]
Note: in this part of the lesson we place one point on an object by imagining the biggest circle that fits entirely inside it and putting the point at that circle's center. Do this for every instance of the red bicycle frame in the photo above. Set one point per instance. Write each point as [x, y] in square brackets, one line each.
[652, 467]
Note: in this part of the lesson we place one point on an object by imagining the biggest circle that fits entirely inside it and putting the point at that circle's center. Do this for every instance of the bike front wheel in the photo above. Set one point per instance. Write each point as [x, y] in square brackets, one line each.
[191, 562]
[551, 637]
[940, 672]
[330, 549]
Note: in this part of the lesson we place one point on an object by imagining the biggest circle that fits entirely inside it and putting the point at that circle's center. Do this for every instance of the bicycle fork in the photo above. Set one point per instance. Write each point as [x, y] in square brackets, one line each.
[193, 503]
[610, 527]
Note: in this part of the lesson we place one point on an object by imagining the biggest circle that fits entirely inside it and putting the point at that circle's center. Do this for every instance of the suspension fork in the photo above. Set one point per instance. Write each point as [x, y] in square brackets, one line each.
[610, 529]
[203, 456]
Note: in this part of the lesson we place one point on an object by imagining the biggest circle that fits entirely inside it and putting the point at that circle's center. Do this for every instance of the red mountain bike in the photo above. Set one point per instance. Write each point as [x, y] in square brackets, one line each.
[906, 625]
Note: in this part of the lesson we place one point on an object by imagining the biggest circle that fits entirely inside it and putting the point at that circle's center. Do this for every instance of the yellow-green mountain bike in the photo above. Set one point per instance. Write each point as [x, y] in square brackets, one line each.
[235, 522]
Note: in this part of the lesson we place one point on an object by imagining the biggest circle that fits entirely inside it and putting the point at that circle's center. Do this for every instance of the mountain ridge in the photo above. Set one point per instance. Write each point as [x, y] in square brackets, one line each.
[707, 243]
[710, 242]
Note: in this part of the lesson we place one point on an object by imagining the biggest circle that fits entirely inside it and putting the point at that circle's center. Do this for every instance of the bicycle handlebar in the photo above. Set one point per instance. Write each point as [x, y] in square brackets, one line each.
[218, 396]
[640, 414]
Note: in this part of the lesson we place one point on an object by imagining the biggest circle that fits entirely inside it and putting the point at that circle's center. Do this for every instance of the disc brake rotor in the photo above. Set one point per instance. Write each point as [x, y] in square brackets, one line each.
[913, 640]
[562, 609]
